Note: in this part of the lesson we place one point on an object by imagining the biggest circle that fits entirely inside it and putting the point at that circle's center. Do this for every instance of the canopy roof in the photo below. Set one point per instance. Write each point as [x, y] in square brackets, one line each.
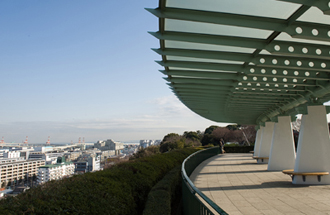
[245, 61]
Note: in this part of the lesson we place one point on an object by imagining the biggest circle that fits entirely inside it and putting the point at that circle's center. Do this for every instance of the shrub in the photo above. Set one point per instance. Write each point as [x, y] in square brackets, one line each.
[121, 190]
[145, 152]
[164, 193]
[177, 143]
[160, 201]
[238, 149]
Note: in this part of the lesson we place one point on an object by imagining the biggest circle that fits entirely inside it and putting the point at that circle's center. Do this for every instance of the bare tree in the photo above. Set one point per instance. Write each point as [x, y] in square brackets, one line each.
[249, 133]
[221, 132]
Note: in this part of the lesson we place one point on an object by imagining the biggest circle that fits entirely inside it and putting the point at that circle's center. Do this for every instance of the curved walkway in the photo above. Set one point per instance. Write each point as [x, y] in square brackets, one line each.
[241, 186]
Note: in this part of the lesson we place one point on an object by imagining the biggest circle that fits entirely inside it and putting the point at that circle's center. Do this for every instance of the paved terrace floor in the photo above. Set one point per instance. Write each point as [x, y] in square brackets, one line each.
[239, 185]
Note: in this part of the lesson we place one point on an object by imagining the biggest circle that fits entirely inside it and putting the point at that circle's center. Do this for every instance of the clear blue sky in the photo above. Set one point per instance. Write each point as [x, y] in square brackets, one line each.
[84, 68]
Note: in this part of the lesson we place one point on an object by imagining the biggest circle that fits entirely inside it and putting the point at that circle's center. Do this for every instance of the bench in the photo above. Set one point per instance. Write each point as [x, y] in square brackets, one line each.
[304, 174]
[252, 152]
[261, 158]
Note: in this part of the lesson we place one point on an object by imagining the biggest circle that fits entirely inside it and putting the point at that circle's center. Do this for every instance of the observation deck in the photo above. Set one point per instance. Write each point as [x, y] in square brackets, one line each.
[257, 62]
[240, 186]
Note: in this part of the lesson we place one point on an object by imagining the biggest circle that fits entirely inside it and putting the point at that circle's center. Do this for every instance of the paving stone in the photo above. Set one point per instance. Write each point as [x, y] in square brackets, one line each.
[241, 186]
[271, 212]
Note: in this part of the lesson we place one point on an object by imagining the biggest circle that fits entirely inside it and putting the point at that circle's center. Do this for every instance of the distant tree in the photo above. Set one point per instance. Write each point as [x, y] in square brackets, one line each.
[200, 134]
[174, 141]
[192, 143]
[222, 133]
[249, 133]
[210, 129]
[208, 138]
[233, 127]
[170, 137]
[237, 136]
[145, 152]
[173, 144]
[192, 135]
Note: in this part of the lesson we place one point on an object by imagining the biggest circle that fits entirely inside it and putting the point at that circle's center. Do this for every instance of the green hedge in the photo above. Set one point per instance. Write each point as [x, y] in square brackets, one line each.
[159, 202]
[163, 195]
[121, 190]
[238, 149]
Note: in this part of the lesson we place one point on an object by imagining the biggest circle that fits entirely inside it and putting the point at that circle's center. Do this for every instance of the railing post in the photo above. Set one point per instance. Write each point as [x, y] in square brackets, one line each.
[191, 202]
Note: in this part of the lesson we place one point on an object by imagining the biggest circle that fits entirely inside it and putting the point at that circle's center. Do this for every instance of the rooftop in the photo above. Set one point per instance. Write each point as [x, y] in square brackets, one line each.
[56, 165]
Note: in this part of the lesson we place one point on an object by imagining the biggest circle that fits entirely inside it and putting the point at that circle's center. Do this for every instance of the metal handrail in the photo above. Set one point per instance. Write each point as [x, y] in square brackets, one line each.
[200, 208]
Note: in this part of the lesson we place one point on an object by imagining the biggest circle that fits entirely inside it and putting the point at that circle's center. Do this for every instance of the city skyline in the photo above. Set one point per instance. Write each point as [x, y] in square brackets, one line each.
[85, 69]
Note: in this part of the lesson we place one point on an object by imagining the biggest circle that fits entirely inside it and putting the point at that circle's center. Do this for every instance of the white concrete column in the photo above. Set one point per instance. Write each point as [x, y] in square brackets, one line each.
[265, 142]
[313, 152]
[257, 142]
[282, 153]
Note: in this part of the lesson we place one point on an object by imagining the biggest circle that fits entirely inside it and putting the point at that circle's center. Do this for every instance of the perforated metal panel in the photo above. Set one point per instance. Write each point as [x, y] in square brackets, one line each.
[245, 62]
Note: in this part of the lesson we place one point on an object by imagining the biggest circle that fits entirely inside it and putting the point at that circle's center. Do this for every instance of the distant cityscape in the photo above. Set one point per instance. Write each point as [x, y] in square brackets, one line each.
[24, 165]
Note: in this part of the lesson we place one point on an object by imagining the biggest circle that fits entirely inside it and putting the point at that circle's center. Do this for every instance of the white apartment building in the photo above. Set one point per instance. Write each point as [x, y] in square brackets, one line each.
[55, 171]
[94, 162]
[17, 168]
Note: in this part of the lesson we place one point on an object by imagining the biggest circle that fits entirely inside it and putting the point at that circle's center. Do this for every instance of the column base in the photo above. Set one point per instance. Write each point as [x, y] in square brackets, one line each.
[261, 159]
[311, 179]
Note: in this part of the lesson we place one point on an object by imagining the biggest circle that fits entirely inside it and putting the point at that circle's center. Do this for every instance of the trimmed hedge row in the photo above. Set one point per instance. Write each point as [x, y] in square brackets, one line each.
[238, 149]
[163, 195]
[121, 190]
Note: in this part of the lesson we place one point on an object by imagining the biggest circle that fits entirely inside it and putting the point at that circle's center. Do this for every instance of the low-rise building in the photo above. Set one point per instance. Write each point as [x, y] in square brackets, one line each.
[109, 145]
[24, 151]
[44, 149]
[81, 166]
[55, 171]
[51, 158]
[72, 156]
[4, 192]
[147, 143]
[2, 151]
[89, 164]
[20, 189]
[99, 144]
[12, 154]
[130, 149]
[107, 154]
[94, 162]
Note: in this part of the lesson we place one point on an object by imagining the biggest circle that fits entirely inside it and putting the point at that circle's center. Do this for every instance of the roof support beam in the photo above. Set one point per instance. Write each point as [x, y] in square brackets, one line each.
[296, 29]
[201, 74]
[200, 81]
[321, 4]
[284, 62]
[298, 49]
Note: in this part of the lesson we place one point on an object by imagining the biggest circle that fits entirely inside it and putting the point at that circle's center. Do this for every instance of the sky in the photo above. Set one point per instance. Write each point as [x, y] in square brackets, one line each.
[84, 68]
